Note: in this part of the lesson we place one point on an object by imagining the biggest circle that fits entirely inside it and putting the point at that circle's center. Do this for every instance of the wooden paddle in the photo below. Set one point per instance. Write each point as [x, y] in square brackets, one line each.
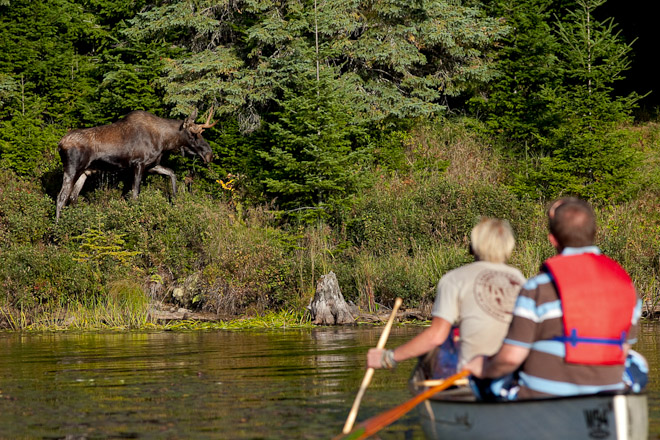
[370, 371]
[371, 426]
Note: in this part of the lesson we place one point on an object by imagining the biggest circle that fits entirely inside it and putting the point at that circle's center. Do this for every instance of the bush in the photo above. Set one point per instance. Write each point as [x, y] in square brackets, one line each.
[249, 268]
[166, 235]
[409, 214]
[24, 211]
[33, 276]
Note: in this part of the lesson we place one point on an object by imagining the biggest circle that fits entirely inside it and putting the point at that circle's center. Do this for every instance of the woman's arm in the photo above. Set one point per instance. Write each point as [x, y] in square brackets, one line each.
[421, 344]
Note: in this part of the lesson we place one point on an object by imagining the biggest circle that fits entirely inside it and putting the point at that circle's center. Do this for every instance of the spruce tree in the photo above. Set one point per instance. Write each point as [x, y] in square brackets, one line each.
[44, 82]
[64, 65]
[308, 146]
[400, 58]
[587, 156]
[513, 103]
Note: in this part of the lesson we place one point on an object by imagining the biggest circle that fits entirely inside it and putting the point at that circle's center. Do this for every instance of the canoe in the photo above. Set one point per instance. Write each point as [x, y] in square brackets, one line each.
[456, 415]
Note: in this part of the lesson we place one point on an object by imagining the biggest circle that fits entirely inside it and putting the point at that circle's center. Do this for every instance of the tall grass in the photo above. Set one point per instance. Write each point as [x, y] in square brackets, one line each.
[125, 307]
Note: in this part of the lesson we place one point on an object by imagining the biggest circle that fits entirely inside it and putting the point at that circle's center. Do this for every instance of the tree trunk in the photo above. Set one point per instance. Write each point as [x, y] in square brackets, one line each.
[328, 306]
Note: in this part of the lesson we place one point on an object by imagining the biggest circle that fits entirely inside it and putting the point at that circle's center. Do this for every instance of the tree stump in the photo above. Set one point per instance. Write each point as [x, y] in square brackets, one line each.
[328, 306]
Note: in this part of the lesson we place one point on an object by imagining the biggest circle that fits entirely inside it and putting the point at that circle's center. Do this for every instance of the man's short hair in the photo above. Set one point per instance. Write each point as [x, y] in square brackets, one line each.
[572, 222]
[492, 240]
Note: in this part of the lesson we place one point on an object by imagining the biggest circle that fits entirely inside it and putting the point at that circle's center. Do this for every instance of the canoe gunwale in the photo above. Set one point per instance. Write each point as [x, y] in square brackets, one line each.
[464, 396]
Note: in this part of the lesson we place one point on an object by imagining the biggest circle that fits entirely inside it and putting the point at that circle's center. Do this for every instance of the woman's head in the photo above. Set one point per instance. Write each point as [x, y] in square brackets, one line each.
[492, 240]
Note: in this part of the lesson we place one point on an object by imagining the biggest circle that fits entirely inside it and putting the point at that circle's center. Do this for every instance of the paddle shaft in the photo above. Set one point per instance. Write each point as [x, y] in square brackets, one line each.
[373, 425]
[370, 371]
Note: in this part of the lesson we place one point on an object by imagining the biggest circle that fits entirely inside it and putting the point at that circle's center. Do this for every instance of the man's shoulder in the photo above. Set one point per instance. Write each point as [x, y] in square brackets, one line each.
[538, 280]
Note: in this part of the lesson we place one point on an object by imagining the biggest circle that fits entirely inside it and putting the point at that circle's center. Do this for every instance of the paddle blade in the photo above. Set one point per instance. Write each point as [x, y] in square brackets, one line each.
[371, 426]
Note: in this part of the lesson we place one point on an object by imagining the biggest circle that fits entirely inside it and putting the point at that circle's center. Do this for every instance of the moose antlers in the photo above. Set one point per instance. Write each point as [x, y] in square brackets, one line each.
[208, 119]
[198, 128]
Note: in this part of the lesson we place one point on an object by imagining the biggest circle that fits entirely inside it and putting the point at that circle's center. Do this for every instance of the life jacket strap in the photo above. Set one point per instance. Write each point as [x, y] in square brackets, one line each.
[573, 339]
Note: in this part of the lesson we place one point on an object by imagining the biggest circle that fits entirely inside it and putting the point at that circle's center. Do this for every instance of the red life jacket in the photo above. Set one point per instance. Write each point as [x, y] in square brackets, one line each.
[598, 299]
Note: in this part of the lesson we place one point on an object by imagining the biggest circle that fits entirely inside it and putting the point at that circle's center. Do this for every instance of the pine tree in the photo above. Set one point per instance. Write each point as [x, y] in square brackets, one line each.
[587, 155]
[308, 146]
[513, 103]
[400, 58]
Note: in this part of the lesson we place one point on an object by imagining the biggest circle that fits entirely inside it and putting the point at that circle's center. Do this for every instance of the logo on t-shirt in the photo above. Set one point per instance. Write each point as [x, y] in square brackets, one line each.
[496, 293]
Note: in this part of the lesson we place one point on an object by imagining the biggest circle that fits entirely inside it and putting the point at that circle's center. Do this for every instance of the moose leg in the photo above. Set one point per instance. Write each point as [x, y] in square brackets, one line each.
[63, 196]
[138, 172]
[79, 184]
[166, 172]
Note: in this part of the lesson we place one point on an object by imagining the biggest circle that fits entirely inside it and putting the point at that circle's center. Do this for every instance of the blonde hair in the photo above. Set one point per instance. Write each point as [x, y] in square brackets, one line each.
[492, 240]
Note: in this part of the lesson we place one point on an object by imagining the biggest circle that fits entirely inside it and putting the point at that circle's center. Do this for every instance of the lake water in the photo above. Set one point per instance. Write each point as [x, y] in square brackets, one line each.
[276, 384]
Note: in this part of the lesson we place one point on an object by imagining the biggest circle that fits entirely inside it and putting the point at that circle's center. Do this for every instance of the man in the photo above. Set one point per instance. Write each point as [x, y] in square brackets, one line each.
[573, 323]
[478, 297]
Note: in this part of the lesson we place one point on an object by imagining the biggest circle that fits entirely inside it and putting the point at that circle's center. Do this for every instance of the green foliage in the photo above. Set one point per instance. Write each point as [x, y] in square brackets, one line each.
[630, 233]
[307, 148]
[513, 103]
[163, 234]
[126, 305]
[413, 214]
[24, 211]
[41, 45]
[33, 276]
[108, 257]
[128, 85]
[586, 156]
[28, 144]
[64, 66]
[285, 319]
[592, 165]
[398, 57]
[198, 245]
[373, 279]
[249, 268]
[103, 249]
[387, 140]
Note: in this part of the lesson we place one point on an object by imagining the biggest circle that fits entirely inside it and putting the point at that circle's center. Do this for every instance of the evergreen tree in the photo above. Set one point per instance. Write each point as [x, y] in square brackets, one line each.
[254, 60]
[513, 103]
[400, 58]
[63, 66]
[44, 79]
[586, 154]
[308, 146]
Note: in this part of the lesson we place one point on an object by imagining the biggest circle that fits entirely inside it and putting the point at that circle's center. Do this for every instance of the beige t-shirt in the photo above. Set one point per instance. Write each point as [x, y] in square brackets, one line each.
[479, 298]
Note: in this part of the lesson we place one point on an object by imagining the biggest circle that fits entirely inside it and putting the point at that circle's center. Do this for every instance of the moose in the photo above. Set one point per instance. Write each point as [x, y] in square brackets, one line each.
[136, 142]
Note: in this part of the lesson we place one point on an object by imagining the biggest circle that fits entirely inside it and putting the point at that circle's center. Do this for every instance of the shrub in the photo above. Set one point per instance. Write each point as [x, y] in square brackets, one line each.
[24, 211]
[249, 268]
[31, 276]
[166, 235]
[406, 214]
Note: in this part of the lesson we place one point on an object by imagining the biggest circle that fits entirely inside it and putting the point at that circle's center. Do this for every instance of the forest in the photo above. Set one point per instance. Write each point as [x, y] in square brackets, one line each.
[361, 137]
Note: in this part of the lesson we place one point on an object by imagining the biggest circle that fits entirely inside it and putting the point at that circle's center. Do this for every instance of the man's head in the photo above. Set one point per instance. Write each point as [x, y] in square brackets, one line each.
[492, 240]
[572, 223]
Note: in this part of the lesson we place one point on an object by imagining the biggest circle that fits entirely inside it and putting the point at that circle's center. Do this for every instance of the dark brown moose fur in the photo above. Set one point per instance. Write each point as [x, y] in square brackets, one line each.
[137, 141]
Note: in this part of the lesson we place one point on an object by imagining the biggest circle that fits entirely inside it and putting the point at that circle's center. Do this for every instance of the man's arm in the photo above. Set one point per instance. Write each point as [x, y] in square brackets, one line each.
[505, 361]
[421, 344]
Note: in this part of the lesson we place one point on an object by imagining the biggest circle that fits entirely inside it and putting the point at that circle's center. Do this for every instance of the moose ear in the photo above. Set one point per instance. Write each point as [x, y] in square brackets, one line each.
[190, 120]
[189, 123]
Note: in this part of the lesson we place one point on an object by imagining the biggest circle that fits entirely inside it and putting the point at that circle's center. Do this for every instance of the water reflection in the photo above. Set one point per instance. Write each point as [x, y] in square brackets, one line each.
[215, 385]
[269, 384]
